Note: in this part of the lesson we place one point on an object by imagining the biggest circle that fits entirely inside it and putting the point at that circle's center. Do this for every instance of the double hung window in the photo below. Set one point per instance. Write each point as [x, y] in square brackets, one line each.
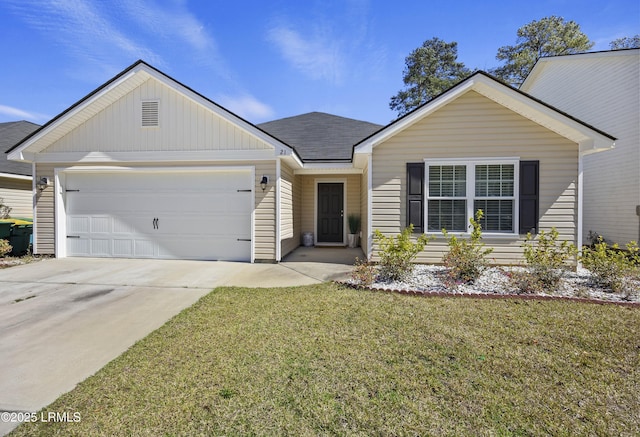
[457, 189]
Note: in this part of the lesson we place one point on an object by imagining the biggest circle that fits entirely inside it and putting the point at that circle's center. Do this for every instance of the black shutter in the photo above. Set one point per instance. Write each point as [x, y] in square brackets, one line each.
[415, 196]
[529, 196]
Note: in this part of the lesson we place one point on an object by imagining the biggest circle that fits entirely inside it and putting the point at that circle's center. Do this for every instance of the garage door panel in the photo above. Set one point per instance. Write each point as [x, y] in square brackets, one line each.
[199, 215]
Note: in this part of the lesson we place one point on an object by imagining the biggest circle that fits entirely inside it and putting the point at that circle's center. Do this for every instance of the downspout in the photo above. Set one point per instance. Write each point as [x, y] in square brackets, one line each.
[278, 212]
[34, 205]
[369, 207]
[580, 203]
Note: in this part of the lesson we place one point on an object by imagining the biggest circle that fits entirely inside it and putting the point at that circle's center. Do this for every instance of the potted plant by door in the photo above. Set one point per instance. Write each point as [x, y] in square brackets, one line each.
[354, 229]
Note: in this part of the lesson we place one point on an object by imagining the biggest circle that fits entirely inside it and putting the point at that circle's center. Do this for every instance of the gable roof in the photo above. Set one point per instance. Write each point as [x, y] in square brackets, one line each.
[588, 137]
[11, 133]
[112, 90]
[318, 136]
[541, 63]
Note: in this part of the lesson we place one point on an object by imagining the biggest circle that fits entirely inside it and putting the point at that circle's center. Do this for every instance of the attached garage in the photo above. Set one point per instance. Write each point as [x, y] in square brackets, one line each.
[202, 213]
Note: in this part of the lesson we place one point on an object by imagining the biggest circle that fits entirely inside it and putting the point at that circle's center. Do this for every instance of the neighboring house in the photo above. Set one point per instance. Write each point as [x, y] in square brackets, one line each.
[15, 177]
[146, 167]
[602, 89]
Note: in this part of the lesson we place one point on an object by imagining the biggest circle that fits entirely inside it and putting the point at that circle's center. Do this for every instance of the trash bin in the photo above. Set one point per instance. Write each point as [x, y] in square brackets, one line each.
[5, 230]
[307, 239]
[19, 239]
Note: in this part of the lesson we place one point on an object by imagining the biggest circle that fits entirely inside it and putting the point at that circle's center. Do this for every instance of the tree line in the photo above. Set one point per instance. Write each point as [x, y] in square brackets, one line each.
[434, 67]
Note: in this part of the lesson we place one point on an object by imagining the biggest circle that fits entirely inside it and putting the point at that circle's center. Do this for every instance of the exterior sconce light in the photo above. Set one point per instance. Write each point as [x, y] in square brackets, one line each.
[42, 183]
[263, 182]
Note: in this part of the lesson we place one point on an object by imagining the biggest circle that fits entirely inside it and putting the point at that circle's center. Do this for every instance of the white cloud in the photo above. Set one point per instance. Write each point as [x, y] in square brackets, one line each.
[247, 107]
[19, 114]
[318, 57]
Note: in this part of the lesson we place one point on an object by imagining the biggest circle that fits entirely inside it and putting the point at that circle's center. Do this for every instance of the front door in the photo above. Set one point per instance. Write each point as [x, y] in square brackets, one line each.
[330, 212]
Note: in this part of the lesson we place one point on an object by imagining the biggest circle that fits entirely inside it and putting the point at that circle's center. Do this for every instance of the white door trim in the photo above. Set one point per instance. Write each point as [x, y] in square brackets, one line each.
[318, 181]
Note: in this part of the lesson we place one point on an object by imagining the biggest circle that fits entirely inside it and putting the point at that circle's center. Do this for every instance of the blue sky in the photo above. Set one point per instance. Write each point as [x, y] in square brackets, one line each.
[263, 60]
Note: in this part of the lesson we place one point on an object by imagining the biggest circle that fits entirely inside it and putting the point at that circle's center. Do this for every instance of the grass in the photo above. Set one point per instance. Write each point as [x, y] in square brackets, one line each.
[324, 360]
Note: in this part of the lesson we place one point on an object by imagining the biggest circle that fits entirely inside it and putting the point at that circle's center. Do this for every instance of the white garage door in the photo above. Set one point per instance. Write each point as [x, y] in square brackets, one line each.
[202, 215]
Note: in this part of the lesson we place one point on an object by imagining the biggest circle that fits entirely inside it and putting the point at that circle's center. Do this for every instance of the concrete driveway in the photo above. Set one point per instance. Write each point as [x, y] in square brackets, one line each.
[61, 320]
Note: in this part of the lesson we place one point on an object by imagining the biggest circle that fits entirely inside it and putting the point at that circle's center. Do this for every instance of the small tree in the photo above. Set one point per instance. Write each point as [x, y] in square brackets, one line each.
[627, 42]
[550, 36]
[397, 253]
[466, 259]
[429, 70]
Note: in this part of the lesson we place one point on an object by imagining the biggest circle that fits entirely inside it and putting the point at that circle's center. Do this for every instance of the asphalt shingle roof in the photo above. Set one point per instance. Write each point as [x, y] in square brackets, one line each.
[317, 136]
[12, 133]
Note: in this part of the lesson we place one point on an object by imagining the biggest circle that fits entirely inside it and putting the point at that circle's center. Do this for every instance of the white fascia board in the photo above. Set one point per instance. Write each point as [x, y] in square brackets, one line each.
[173, 156]
[327, 168]
[16, 176]
[383, 135]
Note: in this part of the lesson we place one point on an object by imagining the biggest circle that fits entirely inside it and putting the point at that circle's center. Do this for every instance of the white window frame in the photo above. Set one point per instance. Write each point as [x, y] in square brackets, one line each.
[470, 164]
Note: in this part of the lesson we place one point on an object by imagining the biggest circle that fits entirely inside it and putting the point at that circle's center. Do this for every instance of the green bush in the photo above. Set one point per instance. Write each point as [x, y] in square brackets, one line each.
[546, 259]
[5, 247]
[397, 253]
[354, 223]
[612, 267]
[466, 259]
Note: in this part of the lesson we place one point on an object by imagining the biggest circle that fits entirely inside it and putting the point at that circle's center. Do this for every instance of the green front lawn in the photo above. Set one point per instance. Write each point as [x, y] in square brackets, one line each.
[322, 360]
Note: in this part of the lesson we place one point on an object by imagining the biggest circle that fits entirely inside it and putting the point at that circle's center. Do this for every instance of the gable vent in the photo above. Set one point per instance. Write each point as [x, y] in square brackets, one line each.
[150, 113]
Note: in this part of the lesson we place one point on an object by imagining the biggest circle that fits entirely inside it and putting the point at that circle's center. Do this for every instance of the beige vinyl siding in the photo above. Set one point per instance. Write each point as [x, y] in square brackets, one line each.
[602, 89]
[475, 127]
[17, 194]
[183, 126]
[264, 224]
[290, 220]
[308, 184]
[364, 209]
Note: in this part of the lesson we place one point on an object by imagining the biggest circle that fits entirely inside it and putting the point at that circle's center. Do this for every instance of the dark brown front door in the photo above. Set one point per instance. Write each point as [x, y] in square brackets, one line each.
[330, 212]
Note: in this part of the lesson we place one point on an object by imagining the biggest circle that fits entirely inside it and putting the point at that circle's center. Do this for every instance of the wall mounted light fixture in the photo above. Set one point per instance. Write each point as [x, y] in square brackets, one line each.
[42, 183]
[263, 182]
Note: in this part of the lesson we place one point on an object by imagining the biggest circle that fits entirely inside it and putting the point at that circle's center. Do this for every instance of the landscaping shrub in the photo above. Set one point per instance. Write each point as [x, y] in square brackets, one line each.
[466, 259]
[546, 259]
[364, 272]
[613, 268]
[5, 247]
[397, 253]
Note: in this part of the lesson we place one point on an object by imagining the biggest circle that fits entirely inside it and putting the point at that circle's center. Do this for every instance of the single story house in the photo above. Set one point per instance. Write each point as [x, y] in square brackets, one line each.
[603, 89]
[146, 167]
[16, 187]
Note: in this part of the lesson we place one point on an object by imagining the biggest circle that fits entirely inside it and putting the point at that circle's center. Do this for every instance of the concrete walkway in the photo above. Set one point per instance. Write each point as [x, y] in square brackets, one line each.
[61, 320]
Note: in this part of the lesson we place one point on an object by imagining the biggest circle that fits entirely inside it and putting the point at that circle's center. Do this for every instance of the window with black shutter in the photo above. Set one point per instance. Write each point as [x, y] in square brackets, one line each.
[415, 196]
[529, 196]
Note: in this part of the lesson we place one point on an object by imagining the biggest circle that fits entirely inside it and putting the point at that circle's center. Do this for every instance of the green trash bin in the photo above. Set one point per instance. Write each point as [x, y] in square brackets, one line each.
[5, 230]
[19, 239]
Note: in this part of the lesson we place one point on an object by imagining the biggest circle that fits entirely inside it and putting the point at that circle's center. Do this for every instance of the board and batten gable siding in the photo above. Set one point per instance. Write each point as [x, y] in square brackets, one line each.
[17, 194]
[308, 209]
[474, 126]
[602, 89]
[264, 224]
[290, 218]
[183, 126]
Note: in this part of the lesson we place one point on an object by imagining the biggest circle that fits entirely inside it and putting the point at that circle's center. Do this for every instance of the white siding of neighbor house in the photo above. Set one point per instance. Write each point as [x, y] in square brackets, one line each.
[183, 126]
[602, 89]
[290, 218]
[308, 187]
[264, 224]
[17, 194]
[473, 126]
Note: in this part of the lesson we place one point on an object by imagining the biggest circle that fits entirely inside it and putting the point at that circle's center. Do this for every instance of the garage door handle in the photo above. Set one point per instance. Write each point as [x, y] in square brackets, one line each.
[243, 239]
[155, 224]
